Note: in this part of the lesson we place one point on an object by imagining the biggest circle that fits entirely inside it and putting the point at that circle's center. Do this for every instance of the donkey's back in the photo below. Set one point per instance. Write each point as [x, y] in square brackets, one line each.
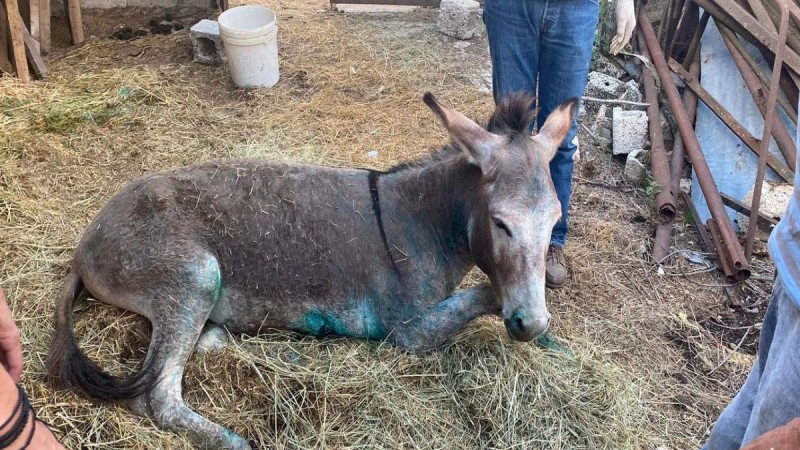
[255, 231]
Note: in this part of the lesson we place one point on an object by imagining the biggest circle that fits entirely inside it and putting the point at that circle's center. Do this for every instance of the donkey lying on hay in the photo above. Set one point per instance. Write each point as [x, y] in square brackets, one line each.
[253, 244]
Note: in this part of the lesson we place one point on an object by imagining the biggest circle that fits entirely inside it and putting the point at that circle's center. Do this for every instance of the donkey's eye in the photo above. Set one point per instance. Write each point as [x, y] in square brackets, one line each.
[500, 224]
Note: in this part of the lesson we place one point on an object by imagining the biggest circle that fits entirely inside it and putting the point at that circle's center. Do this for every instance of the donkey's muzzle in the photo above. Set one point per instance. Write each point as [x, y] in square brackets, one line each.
[524, 326]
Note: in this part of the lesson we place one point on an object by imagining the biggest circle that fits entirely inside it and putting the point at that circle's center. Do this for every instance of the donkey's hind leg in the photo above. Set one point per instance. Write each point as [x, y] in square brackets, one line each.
[435, 325]
[177, 325]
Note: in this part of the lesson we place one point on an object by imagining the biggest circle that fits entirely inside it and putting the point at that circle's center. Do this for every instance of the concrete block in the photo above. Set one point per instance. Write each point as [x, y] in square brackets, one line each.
[635, 171]
[152, 3]
[604, 86]
[629, 131]
[103, 4]
[201, 5]
[457, 18]
[373, 9]
[207, 42]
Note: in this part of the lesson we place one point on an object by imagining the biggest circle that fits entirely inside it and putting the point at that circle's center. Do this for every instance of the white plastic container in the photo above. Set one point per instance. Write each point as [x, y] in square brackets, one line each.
[250, 36]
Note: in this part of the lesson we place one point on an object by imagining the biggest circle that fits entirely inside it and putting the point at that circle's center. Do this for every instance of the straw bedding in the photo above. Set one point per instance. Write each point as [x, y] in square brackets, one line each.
[349, 86]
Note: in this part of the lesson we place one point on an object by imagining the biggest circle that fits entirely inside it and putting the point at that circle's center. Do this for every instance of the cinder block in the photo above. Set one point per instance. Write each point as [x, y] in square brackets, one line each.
[604, 86]
[628, 131]
[207, 43]
[457, 18]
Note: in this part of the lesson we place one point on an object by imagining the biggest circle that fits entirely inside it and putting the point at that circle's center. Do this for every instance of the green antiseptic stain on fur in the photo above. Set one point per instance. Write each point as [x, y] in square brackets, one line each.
[319, 323]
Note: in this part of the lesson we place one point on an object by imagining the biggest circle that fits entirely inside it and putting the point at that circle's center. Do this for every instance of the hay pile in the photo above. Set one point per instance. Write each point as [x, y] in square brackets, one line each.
[349, 86]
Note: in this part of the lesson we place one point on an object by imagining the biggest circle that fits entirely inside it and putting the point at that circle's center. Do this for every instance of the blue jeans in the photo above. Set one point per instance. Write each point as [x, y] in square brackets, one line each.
[548, 40]
[770, 397]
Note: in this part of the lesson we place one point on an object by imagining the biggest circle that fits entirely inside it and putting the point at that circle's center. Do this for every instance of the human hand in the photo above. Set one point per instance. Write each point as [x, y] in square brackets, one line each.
[10, 346]
[626, 22]
[786, 436]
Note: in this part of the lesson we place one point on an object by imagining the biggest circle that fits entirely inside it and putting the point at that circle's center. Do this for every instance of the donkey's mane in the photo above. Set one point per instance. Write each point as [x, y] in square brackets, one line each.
[511, 117]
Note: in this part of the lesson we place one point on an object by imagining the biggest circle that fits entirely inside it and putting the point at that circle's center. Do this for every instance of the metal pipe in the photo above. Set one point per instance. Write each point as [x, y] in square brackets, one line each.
[779, 132]
[772, 99]
[723, 259]
[692, 145]
[678, 155]
[694, 46]
[665, 202]
[663, 236]
[738, 129]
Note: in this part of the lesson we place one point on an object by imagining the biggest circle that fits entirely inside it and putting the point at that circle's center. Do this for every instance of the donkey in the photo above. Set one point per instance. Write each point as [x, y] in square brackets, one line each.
[250, 244]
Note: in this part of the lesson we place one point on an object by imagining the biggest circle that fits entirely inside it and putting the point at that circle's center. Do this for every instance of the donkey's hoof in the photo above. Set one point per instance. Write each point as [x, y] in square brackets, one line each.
[213, 340]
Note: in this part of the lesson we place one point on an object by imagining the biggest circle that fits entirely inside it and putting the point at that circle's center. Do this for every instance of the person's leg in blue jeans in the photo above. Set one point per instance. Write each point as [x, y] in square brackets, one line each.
[769, 397]
[549, 41]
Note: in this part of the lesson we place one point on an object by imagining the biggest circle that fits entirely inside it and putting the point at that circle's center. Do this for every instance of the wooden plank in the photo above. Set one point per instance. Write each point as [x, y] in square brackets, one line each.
[428, 3]
[764, 221]
[32, 50]
[17, 43]
[34, 30]
[75, 22]
[5, 63]
[44, 26]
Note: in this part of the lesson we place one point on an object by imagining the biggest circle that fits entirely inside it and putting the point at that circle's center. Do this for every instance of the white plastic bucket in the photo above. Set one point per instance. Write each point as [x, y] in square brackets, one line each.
[250, 35]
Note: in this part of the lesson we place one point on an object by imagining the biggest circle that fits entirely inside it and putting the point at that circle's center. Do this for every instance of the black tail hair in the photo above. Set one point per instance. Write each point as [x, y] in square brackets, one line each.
[69, 367]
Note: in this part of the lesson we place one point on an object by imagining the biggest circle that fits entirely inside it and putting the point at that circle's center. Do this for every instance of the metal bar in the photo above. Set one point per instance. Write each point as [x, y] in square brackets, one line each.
[783, 99]
[694, 46]
[693, 149]
[760, 32]
[723, 260]
[764, 221]
[677, 12]
[779, 132]
[664, 24]
[428, 3]
[772, 99]
[665, 202]
[754, 144]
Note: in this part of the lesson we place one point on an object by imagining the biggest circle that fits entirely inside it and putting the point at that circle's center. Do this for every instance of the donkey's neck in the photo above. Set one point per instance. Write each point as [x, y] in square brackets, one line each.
[437, 197]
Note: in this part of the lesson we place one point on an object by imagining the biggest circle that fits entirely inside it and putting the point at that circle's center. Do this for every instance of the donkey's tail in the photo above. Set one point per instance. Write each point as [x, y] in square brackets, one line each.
[69, 367]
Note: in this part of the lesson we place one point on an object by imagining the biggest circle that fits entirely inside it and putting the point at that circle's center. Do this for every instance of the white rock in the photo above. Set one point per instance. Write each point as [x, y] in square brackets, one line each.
[686, 185]
[635, 171]
[628, 131]
[457, 18]
[774, 199]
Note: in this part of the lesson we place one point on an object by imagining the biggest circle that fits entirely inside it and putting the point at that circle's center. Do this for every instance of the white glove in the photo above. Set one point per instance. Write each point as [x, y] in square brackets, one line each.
[626, 22]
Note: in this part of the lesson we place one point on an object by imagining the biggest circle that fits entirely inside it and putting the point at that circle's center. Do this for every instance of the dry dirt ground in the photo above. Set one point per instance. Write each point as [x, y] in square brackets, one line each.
[114, 110]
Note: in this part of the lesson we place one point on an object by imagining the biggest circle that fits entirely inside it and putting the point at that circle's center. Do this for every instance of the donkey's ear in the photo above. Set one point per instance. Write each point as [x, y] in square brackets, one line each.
[556, 127]
[471, 137]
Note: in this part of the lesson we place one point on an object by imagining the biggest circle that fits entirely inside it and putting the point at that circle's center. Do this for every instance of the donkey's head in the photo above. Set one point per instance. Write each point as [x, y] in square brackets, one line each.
[515, 206]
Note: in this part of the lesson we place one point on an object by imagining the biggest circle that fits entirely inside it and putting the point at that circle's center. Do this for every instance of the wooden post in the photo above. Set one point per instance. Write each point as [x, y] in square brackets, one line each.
[75, 22]
[16, 25]
[5, 62]
[44, 26]
[34, 21]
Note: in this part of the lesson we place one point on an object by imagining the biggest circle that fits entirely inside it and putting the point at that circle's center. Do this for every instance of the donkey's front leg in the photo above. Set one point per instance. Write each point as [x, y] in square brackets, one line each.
[432, 327]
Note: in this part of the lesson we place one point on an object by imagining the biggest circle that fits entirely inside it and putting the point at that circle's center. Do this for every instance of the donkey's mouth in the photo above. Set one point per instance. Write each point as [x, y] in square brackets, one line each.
[524, 326]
